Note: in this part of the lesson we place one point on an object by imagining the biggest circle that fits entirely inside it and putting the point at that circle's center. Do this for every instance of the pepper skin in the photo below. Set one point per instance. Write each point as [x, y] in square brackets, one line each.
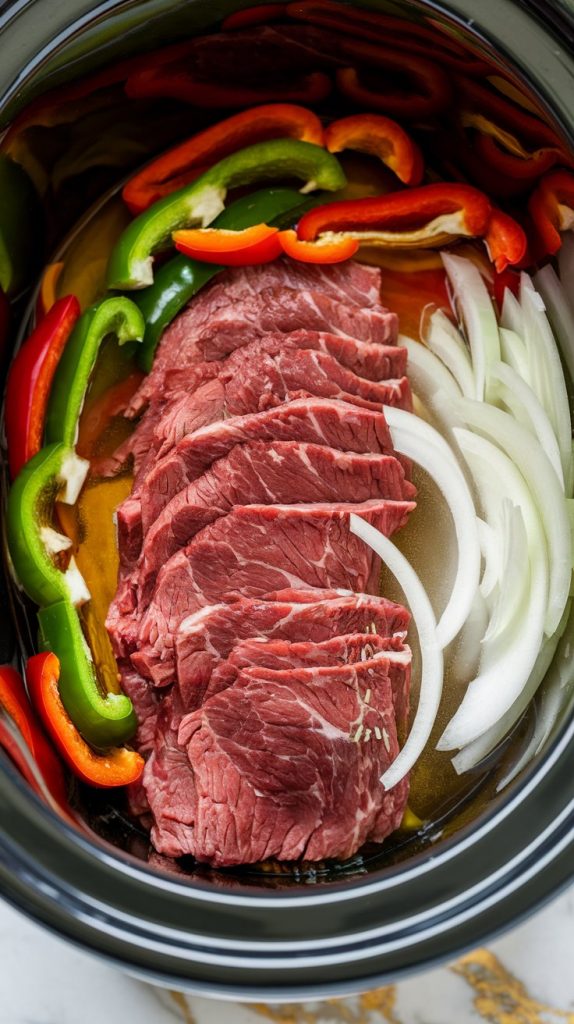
[185, 162]
[198, 204]
[14, 701]
[378, 136]
[551, 208]
[116, 767]
[505, 241]
[178, 280]
[317, 252]
[249, 247]
[181, 84]
[260, 15]
[30, 380]
[118, 316]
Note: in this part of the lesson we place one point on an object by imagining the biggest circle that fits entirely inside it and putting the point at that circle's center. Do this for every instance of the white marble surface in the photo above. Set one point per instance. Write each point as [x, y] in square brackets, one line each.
[527, 977]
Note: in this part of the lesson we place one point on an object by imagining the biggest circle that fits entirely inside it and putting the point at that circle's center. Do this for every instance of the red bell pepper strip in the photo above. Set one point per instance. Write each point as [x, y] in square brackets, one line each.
[14, 701]
[411, 36]
[417, 218]
[551, 207]
[379, 136]
[505, 241]
[181, 84]
[429, 94]
[249, 247]
[185, 162]
[521, 169]
[118, 767]
[30, 379]
[485, 103]
[323, 251]
[261, 15]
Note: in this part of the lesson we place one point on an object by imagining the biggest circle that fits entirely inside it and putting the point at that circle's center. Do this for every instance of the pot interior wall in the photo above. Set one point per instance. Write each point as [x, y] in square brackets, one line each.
[79, 144]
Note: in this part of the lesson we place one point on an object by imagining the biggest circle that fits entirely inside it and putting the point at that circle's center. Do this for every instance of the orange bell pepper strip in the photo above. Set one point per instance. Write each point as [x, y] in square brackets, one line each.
[179, 83]
[551, 207]
[323, 251]
[379, 136]
[505, 241]
[118, 767]
[182, 164]
[261, 15]
[30, 379]
[251, 246]
[411, 36]
[47, 293]
[14, 701]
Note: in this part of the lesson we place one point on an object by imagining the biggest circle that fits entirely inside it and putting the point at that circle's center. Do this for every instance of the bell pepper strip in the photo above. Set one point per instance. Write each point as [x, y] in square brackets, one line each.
[488, 107]
[198, 204]
[117, 767]
[21, 223]
[412, 36]
[39, 553]
[104, 719]
[504, 152]
[505, 241]
[249, 247]
[4, 324]
[322, 251]
[178, 280]
[118, 316]
[30, 380]
[408, 106]
[185, 162]
[98, 412]
[381, 137]
[182, 84]
[418, 218]
[47, 292]
[14, 701]
[551, 207]
[260, 15]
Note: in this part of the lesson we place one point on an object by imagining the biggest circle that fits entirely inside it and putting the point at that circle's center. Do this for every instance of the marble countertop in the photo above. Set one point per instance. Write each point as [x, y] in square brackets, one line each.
[526, 977]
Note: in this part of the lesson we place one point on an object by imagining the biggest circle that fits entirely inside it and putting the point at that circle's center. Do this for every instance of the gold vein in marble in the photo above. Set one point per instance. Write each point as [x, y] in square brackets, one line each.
[500, 998]
[376, 1007]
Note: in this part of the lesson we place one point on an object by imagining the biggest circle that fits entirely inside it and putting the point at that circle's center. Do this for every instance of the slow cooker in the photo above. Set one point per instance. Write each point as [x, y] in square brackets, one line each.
[274, 936]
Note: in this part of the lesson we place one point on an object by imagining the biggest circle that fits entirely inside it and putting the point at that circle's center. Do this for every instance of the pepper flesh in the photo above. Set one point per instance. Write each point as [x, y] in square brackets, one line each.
[551, 207]
[117, 767]
[37, 550]
[178, 280]
[181, 84]
[185, 162]
[14, 701]
[317, 252]
[249, 247]
[505, 241]
[118, 316]
[30, 380]
[253, 16]
[379, 136]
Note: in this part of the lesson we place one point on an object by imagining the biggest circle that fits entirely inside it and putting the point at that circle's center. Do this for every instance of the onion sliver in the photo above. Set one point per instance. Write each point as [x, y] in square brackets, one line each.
[431, 653]
[514, 352]
[508, 661]
[546, 375]
[477, 313]
[491, 554]
[559, 311]
[515, 572]
[526, 409]
[511, 316]
[425, 446]
[427, 374]
[451, 351]
[543, 484]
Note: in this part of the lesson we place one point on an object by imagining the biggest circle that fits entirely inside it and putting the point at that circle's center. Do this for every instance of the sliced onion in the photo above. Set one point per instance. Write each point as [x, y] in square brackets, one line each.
[559, 310]
[425, 446]
[492, 557]
[515, 572]
[426, 372]
[512, 317]
[431, 653]
[514, 352]
[508, 660]
[543, 484]
[524, 405]
[446, 342]
[477, 313]
[465, 659]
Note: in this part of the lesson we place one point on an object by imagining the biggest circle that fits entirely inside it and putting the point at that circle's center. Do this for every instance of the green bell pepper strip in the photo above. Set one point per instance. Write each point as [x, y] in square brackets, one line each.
[131, 261]
[54, 473]
[178, 280]
[103, 719]
[116, 315]
[20, 226]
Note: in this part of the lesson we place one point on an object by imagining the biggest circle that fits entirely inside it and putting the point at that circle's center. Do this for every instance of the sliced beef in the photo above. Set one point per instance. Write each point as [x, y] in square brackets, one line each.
[314, 420]
[287, 769]
[251, 551]
[349, 282]
[265, 473]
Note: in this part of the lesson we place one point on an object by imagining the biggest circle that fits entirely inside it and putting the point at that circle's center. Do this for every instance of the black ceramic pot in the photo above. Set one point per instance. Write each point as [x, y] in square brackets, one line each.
[242, 935]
